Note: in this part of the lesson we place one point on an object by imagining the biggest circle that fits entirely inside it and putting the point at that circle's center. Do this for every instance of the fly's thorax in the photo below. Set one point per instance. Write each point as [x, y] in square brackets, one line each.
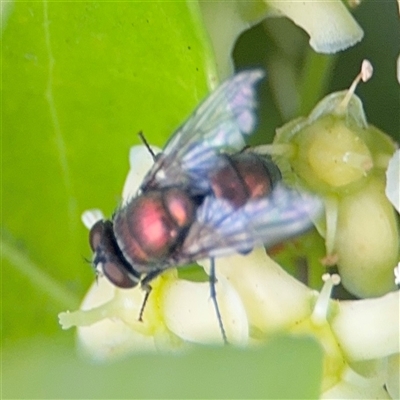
[151, 226]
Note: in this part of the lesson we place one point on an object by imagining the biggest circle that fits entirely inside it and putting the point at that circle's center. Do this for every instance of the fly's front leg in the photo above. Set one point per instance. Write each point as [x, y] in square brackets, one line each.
[145, 285]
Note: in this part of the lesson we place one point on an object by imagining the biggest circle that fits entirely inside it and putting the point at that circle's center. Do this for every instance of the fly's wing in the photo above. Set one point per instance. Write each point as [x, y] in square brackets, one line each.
[220, 230]
[220, 121]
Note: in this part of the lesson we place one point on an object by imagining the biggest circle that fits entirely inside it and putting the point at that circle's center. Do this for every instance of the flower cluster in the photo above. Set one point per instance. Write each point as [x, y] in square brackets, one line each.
[256, 298]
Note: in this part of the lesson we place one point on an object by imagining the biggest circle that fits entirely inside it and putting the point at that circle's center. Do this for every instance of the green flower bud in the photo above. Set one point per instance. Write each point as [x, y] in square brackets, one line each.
[330, 156]
[337, 154]
[334, 149]
[366, 240]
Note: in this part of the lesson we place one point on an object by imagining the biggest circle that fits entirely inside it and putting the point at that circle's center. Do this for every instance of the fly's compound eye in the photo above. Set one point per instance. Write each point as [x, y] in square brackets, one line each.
[96, 234]
[117, 274]
[107, 253]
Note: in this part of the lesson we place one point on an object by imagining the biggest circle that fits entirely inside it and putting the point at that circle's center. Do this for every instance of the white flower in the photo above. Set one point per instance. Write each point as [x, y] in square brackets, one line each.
[360, 338]
[190, 313]
[177, 311]
[273, 299]
[370, 328]
[329, 24]
[392, 374]
[393, 181]
[397, 274]
[355, 386]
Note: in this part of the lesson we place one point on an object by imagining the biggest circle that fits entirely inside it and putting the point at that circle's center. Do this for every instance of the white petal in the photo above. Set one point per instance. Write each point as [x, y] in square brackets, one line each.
[224, 23]
[355, 386]
[273, 299]
[112, 338]
[140, 161]
[369, 328]
[189, 312]
[90, 217]
[398, 64]
[330, 26]
[397, 274]
[392, 376]
[393, 181]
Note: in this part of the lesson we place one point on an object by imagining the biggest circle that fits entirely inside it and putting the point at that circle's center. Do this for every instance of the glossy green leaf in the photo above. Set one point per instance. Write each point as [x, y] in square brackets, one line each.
[80, 80]
[286, 368]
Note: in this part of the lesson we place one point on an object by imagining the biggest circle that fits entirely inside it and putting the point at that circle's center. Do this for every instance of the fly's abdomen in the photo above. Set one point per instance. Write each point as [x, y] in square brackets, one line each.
[243, 177]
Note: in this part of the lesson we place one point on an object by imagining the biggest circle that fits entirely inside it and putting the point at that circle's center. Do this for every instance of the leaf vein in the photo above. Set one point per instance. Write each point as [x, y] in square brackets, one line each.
[59, 139]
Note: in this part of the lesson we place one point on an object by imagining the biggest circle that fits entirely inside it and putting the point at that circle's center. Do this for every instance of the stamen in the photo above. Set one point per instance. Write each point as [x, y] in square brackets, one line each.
[364, 75]
[120, 307]
[366, 70]
[321, 306]
[86, 317]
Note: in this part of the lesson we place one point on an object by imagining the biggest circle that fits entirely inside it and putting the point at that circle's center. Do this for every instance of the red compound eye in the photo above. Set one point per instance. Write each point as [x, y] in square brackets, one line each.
[107, 253]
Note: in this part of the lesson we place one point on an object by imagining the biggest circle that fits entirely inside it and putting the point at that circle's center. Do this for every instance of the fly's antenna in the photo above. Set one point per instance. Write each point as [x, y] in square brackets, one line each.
[94, 267]
[146, 143]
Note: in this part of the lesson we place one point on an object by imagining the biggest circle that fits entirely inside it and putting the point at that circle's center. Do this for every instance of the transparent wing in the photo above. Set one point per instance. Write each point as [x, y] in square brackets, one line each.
[220, 121]
[221, 230]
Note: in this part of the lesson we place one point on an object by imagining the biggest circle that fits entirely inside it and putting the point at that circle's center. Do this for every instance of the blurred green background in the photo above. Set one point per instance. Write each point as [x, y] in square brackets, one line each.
[79, 80]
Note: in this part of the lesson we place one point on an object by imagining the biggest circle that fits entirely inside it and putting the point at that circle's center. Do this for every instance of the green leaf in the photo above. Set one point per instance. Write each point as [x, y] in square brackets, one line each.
[286, 368]
[80, 80]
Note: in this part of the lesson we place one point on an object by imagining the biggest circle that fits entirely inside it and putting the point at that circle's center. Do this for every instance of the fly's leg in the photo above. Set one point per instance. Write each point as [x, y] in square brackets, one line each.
[145, 285]
[147, 290]
[213, 293]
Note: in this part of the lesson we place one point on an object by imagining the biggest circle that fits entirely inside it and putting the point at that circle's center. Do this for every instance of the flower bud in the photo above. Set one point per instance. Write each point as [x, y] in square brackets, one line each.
[331, 155]
[337, 154]
[366, 241]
